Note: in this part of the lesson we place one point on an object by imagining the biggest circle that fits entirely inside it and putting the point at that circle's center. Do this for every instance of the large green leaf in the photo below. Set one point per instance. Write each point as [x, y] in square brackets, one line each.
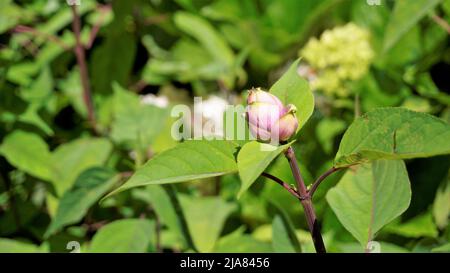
[193, 159]
[370, 196]
[86, 191]
[205, 218]
[253, 159]
[123, 236]
[28, 152]
[393, 133]
[293, 89]
[405, 15]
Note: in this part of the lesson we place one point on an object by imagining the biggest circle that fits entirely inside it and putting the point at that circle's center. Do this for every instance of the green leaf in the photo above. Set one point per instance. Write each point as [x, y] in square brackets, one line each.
[393, 133]
[86, 191]
[28, 152]
[284, 239]
[201, 30]
[193, 159]
[405, 15]
[10, 15]
[205, 218]
[419, 226]
[327, 130]
[383, 248]
[237, 242]
[105, 68]
[292, 89]
[253, 159]
[211, 41]
[370, 196]
[135, 124]
[165, 202]
[443, 248]
[123, 236]
[14, 246]
[72, 158]
[441, 205]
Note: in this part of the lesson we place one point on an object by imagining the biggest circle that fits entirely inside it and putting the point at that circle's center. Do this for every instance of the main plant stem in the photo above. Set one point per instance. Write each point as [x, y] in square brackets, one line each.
[306, 202]
[84, 75]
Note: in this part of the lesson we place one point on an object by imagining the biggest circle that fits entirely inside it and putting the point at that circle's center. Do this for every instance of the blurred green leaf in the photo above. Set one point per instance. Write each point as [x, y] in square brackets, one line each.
[72, 158]
[87, 189]
[405, 15]
[284, 239]
[327, 130]
[212, 42]
[165, 202]
[370, 196]
[385, 247]
[420, 226]
[14, 246]
[28, 152]
[393, 133]
[10, 15]
[237, 242]
[441, 205]
[443, 248]
[205, 218]
[123, 236]
[135, 124]
[292, 89]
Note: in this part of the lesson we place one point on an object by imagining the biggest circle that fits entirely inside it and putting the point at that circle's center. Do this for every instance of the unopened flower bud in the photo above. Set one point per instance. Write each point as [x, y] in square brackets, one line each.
[268, 118]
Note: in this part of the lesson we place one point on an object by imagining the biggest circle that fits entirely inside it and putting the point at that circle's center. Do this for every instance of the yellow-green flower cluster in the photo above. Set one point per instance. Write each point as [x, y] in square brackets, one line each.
[341, 54]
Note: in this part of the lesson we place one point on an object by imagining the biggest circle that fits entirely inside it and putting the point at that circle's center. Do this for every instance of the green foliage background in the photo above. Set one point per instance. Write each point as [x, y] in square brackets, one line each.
[55, 167]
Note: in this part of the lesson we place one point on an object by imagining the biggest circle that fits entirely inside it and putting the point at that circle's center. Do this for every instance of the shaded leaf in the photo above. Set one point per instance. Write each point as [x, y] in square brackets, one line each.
[405, 15]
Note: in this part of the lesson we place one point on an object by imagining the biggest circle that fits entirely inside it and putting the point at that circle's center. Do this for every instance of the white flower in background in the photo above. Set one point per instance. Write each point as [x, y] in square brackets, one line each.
[212, 110]
[151, 99]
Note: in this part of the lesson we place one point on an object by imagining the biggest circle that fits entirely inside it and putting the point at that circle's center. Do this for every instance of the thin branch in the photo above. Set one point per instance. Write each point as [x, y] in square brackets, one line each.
[441, 22]
[319, 180]
[96, 28]
[84, 75]
[37, 33]
[283, 184]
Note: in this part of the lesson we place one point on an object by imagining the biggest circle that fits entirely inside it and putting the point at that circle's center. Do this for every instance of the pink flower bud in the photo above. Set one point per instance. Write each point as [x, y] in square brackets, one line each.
[268, 118]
